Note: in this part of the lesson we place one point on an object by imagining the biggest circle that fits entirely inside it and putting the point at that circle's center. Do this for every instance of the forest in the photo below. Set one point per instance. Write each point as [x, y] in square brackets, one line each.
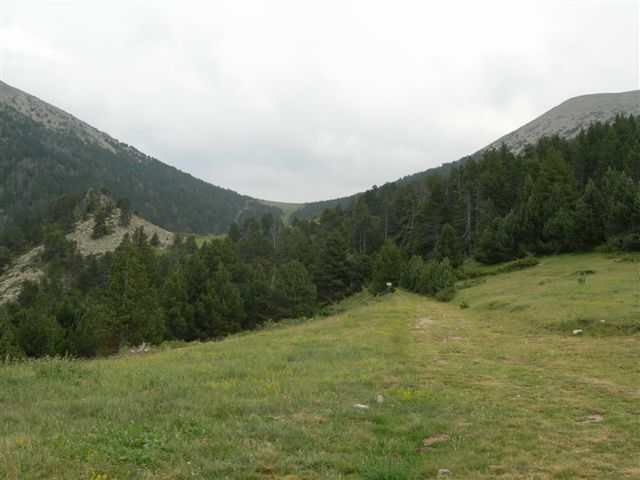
[557, 196]
[39, 165]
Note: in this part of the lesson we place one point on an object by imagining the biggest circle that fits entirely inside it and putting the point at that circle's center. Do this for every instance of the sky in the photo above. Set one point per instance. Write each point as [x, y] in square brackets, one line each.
[297, 100]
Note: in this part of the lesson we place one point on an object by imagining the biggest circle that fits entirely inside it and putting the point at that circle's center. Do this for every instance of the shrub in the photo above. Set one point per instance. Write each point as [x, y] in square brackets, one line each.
[388, 267]
[446, 294]
[436, 277]
[520, 264]
[628, 243]
[411, 274]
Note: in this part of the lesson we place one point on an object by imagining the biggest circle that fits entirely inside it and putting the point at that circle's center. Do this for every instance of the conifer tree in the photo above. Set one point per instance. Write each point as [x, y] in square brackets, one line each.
[331, 272]
[294, 292]
[449, 246]
[134, 298]
[100, 226]
[9, 349]
[388, 268]
[590, 211]
[221, 308]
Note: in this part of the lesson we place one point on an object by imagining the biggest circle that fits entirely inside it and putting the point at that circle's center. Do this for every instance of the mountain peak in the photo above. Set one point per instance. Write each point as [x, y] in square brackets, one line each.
[52, 117]
[571, 116]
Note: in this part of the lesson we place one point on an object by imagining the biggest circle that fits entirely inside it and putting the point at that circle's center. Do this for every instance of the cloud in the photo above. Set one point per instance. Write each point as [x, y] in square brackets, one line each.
[296, 100]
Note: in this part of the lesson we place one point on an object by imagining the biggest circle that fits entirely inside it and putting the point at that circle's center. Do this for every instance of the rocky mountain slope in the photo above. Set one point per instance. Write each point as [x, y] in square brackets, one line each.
[29, 267]
[571, 116]
[565, 120]
[46, 152]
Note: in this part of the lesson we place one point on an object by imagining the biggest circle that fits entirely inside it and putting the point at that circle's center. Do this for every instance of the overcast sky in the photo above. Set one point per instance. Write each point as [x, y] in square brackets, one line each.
[300, 100]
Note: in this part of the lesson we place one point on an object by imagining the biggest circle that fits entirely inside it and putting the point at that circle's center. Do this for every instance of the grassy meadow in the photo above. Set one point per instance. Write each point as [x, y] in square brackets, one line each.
[492, 385]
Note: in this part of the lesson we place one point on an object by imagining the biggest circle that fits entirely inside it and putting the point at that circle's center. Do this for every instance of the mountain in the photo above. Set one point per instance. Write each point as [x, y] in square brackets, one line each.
[31, 266]
[565, 120]
[46, 152]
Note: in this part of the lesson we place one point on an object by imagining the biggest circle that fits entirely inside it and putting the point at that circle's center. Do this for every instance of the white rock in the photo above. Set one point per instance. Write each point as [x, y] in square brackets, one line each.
[443, 472]
[380, 399]
[360, 406]
[577, 331]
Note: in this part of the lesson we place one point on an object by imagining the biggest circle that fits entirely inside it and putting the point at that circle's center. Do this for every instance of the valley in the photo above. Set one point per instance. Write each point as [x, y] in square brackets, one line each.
[326, 241]
[494, 384]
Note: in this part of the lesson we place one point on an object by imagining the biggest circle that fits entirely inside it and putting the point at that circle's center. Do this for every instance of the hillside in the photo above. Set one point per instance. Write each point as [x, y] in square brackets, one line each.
[400, 387]
[46, 152]
[571, 116]
[564, 120]
[29, 266]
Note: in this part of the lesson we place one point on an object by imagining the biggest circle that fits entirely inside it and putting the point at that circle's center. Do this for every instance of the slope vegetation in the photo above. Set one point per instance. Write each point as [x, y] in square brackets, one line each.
[565, 120]
[396, 387]
[45, 152]
[30, 268]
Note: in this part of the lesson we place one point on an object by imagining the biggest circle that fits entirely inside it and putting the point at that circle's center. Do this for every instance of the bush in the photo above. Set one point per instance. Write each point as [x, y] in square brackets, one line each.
[446, 294]
[388, 267]
[628, 243]
[412, 273]
[431, 278]
[520, 264]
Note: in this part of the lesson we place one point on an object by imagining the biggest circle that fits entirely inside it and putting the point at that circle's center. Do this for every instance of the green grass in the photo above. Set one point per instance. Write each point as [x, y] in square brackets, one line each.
[203, 238]
[287, 208]
[506, 389]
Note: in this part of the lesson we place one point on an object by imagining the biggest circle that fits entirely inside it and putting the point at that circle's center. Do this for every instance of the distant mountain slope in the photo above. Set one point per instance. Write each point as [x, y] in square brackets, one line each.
[565, 120]
[571, 116]
[46, 152]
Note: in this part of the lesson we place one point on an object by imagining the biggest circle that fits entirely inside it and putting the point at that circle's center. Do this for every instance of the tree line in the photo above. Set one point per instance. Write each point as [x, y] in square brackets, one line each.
[557, 196]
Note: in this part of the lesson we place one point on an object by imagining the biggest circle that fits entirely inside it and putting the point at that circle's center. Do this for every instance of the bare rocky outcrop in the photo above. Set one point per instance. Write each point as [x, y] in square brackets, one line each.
[29, 268]
[567, 119]
[87, 245]
[25, 269]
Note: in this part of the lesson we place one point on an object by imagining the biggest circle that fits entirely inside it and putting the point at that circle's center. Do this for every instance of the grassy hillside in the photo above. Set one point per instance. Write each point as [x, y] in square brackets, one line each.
[287, 209]
[501, 389]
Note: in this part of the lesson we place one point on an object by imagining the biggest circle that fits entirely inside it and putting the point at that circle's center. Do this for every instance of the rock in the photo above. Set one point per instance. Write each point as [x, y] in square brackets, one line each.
[595, 418]
[142, 348]
[360, 406]
[578, 331]
[443, 472]
[433, 439]
[380, 399]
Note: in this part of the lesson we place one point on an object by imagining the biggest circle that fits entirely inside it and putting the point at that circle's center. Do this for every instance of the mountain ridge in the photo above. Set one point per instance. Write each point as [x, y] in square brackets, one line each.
[46, 152]
[216, 208]
[565, 119]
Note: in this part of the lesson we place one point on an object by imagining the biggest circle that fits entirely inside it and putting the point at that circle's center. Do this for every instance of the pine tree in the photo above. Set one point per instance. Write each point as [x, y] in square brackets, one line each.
[100, 226]
[9, 349]
[221, 308]
[590, 216]
[134, 298]
[155, 240]
[331, 271]
[38, 333]
[125, 212]
[294, 292]
[449, 246]
[388, 268]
